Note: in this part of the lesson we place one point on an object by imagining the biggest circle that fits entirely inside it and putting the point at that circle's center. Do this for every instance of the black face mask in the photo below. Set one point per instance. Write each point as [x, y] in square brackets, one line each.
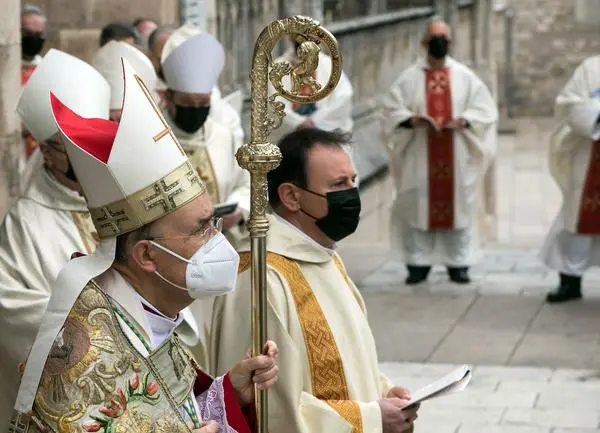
[190, 119]
[31, 45]
[343, 213]
[438, 47]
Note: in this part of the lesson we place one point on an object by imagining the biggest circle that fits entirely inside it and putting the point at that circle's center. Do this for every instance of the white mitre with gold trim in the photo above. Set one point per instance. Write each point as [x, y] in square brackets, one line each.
[107, 61]
[132, 173]
[73, 81]
[195, 65]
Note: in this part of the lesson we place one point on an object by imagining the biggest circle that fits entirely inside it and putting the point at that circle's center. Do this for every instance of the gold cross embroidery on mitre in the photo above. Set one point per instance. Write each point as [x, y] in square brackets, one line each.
[168, 130]
[163, 195]
[112, 220]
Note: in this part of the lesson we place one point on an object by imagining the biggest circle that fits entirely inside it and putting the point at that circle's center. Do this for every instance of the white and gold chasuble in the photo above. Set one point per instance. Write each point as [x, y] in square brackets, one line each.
[103, 375]
[329, 380]
[39, 234]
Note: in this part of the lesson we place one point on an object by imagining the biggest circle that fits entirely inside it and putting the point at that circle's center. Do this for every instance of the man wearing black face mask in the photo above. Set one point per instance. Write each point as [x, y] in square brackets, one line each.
[33, 28]
[315, 311]
[191, 68]
[439, 124]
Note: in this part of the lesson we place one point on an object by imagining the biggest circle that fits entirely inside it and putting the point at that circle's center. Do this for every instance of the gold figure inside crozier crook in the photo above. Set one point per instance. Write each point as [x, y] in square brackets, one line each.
[259, 156]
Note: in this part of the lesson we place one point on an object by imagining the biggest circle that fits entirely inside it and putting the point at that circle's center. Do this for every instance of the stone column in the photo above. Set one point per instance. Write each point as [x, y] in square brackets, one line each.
[452, 15]
[485, 67]
[193, 12]
[10, 67]
[441, 7]
[311, 8]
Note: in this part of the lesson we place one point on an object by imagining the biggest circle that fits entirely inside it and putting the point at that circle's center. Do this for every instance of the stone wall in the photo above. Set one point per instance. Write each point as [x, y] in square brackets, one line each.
[74, 26]
[10, 55]
[550, 38]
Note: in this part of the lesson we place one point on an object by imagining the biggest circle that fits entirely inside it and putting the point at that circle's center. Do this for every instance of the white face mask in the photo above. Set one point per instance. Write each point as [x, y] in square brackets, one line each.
[211, 271]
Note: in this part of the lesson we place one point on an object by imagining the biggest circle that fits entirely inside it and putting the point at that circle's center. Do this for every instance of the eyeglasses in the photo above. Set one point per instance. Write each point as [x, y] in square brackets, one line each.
[211, 227]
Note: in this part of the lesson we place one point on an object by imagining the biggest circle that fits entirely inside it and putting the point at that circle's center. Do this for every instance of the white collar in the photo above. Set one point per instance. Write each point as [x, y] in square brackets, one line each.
[330, 251]
[161, 326]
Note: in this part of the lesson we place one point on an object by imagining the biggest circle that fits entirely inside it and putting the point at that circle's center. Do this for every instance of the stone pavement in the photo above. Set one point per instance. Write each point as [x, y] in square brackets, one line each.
[537, 365]
[507, 400]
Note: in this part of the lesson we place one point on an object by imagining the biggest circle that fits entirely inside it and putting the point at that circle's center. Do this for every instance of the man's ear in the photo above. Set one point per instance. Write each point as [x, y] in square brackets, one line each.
[289, 197]
[143, 255]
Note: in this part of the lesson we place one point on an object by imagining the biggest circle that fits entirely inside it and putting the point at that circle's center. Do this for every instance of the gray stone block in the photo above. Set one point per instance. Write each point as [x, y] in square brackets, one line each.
[502, 429]
[576, 419]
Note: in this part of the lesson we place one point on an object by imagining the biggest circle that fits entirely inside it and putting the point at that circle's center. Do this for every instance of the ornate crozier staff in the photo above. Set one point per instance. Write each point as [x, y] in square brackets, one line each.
[259, 156]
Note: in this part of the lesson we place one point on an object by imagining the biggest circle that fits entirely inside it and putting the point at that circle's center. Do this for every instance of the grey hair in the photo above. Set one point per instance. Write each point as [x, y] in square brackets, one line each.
[29, 9]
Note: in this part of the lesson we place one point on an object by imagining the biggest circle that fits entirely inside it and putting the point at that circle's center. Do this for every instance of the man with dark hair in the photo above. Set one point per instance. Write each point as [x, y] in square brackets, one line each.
[119, 31]
[330, 380]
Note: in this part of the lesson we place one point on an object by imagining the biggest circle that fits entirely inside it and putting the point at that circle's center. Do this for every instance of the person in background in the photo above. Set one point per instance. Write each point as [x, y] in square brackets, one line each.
[33, 31]
[156, 42]
[107, 61]
[438, 122]
[144, 27]
[119, 31]
[572, 245]
[50, 221]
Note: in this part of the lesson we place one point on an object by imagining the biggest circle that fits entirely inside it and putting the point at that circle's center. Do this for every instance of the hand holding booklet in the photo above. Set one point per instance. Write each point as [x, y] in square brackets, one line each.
[453, 382]
[431, 122]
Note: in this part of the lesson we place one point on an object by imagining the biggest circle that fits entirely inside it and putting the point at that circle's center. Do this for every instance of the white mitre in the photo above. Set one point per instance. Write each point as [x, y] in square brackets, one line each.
[194, 65]
[107, 61]
[73, 81]
[132, 173]
[177, 38]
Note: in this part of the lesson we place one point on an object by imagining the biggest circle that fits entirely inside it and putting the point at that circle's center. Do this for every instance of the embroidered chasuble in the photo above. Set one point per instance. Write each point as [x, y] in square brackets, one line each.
[97, 378]
[329, 380]
[589, 210]
[440, 151]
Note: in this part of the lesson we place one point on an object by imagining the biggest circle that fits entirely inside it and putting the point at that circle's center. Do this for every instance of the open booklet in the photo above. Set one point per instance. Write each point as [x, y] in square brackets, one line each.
[432, 122]
[453, 382]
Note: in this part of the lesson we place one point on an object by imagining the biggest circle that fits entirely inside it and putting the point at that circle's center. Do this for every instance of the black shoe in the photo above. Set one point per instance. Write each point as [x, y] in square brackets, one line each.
[459, 275]
[568, 290]
[417, 274]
